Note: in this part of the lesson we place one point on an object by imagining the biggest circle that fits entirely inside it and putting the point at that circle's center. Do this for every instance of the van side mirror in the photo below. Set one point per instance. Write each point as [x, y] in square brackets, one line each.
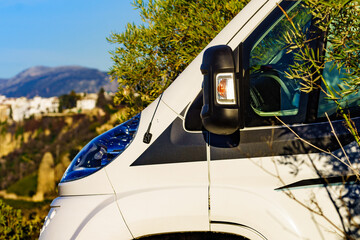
[221, 105]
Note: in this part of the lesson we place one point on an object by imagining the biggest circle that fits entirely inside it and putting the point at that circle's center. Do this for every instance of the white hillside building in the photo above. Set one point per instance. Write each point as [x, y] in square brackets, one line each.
[22, 108]
[88, 102]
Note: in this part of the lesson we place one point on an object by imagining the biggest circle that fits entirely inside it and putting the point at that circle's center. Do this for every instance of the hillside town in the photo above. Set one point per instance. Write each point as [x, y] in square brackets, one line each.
[18, 109]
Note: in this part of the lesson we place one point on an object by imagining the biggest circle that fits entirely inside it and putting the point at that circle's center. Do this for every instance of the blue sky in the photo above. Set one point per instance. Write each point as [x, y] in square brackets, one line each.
[60, 32]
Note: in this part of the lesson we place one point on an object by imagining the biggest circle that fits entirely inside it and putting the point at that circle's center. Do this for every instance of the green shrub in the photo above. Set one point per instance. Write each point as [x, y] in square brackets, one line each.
[25, 187]
[93, 126]
[14, 226]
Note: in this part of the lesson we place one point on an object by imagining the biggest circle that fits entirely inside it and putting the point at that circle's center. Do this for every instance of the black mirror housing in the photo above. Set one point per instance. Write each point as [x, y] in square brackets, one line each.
[220, 113]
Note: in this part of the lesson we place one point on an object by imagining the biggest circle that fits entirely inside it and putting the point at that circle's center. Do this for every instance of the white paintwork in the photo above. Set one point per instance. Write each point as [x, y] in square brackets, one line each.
[244, 231]
[152, 199]
[162, 210]
[84, 217]
[97, 183]
[242, 191]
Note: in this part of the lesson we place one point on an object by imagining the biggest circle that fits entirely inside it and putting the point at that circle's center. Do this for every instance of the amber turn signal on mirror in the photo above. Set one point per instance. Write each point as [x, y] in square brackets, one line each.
[225, 88]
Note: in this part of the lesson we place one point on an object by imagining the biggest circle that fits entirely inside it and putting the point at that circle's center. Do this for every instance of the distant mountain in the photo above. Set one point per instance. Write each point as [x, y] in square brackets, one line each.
[55, 81]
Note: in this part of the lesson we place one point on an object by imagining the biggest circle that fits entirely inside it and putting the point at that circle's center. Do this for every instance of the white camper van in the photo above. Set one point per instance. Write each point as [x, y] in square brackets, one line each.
[210, 160]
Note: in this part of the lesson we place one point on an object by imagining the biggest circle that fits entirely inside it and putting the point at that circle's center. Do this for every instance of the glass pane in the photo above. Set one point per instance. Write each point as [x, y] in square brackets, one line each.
[335, 79]
[271, 92]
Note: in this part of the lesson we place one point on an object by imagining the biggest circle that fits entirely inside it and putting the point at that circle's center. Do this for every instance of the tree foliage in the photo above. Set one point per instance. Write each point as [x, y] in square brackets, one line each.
[14, 226]
[101, 100]
[339, 20]
[68, 101]
[151, 55]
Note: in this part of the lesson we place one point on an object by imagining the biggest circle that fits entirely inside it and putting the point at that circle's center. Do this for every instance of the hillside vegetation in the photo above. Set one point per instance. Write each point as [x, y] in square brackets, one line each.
[46, 142]
[34, 154]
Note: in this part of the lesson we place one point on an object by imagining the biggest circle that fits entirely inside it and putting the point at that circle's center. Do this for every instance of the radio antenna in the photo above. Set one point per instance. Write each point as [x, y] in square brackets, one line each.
[148, 135]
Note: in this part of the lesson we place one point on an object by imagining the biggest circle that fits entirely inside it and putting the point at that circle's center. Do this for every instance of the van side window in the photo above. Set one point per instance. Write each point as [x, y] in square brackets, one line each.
[271, 93]
[335, 77]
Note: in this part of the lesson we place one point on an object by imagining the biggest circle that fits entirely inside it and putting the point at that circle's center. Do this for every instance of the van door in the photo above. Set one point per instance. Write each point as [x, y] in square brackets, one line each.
[258, 175]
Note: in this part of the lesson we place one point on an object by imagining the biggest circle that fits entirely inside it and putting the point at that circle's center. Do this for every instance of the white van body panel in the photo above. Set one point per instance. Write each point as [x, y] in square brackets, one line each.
[236, 196]
[243, 192]
[170, 196]
[164, 210]
[84, 217]
[97, 183]
[240, 230]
